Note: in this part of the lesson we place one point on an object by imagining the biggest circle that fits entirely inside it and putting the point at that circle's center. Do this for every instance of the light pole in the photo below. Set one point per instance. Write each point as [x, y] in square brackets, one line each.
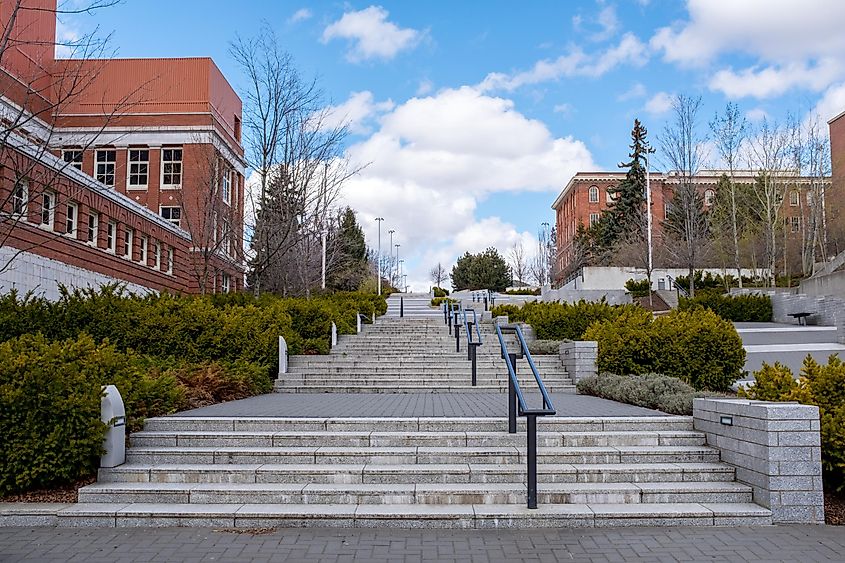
[544, 250]
[378, 254]
[390, 252]
[323, 235]
[400, 267]
[405, 282]
[398, 279]
[648, 223]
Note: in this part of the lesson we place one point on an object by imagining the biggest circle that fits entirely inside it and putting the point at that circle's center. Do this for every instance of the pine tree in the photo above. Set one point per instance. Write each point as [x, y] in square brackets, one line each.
[350, 264]
[626, 213]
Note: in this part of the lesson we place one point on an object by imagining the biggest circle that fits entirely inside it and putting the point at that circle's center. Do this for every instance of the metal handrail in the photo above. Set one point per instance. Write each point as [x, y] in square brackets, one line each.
[475, 324]
[678, 286]
[518, 405]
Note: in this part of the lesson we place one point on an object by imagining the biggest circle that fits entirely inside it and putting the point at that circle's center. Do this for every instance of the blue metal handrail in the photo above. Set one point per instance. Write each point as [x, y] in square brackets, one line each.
[475, 324]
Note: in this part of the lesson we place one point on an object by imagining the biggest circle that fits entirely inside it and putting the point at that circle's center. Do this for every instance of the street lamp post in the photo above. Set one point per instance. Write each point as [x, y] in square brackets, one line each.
[390, 252]
[648, 223]
[398, 279]
[378, 254]
[405, 282]
[323, 235]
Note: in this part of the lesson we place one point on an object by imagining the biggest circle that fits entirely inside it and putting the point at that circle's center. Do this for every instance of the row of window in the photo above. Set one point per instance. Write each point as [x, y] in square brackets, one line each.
[47, 219]
[709, 197]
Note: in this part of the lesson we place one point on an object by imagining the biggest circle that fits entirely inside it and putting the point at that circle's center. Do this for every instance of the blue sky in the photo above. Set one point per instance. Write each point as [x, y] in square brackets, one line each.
[472, 116]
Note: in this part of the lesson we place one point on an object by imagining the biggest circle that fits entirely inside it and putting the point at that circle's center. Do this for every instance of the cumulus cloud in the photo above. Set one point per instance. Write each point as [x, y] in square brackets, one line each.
[357, 112]
[659, 104]
[756, 114]
[426, 86]
[371, 35]
[629, 51]
[831, 104]
[635, 91]
[434, 158]
[773, 81]
[301, 14]
[67, 36]
[608, 22]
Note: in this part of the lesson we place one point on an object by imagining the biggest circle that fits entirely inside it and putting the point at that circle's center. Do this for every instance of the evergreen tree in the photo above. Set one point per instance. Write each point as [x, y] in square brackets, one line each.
[487, 270]
[350, 266]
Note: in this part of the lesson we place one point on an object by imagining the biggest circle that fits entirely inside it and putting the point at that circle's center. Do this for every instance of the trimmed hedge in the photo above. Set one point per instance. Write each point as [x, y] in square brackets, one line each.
[562, 321]
[440, 292]
[637, 288]
[737, 308]
[696, 346]
[822, 385]
[438, 301]
[649, 390]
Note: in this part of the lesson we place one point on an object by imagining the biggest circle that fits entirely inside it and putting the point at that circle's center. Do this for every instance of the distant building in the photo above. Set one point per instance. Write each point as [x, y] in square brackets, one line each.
[586, 196]
[126, 170]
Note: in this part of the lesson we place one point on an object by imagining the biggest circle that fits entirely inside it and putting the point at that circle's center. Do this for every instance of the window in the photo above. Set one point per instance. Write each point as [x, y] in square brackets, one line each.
[21, 197]
[594, 194]
[104, 166]
[139, 168]
[128, 238]
[225, 186]
[48, 209]
[610, 196]
[793, 199]
[73, 157]
[809, 199]
[795, 223]
[157, 248]
[171, 168]
[237, 129]
[93, 227]
[224, 285]
[172, 214]
[143, 258]
[594, 218]
[70, 220]
[111, 236]
[170, 260]
[709, 197]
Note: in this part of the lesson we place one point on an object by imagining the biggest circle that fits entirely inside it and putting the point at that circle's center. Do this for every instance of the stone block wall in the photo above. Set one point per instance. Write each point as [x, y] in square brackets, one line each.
[579, 358]
[775, 448]
[827, 311]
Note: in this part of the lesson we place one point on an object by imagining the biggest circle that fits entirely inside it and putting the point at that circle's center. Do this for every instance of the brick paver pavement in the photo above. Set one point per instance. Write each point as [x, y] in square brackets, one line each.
[95, 545]
[409, 405]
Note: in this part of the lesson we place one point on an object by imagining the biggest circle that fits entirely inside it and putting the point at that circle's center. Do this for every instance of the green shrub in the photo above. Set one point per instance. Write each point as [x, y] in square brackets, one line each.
[706, 281]
[637, 288]
[737, 308]
[513, 312]
[440, 292]
[822, 385]
[544, 347]
[695, 346]
[561, 321]
[526, 291]
[438, 301]
[650, 390]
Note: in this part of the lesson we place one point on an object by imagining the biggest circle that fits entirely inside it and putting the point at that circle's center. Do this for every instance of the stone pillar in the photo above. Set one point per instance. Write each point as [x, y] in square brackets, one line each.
[775, 447]
[579, 358]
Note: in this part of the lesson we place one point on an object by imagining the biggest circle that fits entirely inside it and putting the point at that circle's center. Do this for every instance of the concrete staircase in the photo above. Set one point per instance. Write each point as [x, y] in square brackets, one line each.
[413, 305]
[415, 472]
[413, 355]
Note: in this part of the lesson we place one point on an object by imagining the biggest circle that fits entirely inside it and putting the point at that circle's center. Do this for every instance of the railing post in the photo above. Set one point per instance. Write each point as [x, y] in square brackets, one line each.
[450, 324]
[512, 397]
[485, 303]
[457, 334]
[469, 343]
[445, 313]
[474, 357]
[401, 307]
[531, 421]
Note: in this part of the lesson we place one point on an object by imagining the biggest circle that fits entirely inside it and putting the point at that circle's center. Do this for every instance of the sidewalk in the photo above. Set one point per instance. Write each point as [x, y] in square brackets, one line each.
[94, 545]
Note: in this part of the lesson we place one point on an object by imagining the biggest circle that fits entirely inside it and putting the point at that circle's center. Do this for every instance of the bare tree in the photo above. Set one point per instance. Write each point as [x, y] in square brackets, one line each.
[518, 262]
[438, 274]
[817, 166]
[297, 157]
[729, 133]
[683, 151]
[768, 152]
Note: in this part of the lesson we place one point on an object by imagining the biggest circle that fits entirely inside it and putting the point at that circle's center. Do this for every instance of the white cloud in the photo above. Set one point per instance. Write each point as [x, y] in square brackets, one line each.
[432, 159]
[635, 91]
[357, 112]
[371, 35]
[565, 109]
[301, 14]
[659, 104]
[629, 51]
[67, 35]
[426, 86]
[772, 81]
[609, 23]
[831, 104]
[756, 114]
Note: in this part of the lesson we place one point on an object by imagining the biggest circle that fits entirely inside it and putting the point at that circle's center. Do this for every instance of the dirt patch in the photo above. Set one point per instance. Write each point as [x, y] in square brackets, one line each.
[834, 509]
[68, 493]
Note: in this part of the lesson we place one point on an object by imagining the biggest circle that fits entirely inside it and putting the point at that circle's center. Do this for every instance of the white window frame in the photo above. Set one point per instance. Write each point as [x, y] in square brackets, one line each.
[224, 283]
[128, 239]
[709, 197]
[226, 186]
[172, 186]
[594, 218]
[794, 198]
[48, 205]
[795, 223]
[72, 225]
[20, 198]
[609, 197]
[161, 209]
[133, 169]
[93, 228]
[111, 237]
[143, 254]
[593, 190]
[157, 247]
[74, 163]
[170, 260]
[113, 164]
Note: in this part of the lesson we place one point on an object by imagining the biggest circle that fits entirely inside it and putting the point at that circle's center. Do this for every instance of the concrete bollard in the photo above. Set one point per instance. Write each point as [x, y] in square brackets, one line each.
[358, 322]
[113, 414]
[334, 334]
[283, 356]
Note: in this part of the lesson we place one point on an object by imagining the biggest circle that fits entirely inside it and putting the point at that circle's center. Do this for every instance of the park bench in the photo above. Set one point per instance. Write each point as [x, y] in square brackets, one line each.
[802, 317]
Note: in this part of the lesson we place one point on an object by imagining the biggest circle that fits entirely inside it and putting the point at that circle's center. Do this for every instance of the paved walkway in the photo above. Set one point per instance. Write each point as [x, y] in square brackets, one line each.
[409, 405]
[94, 545]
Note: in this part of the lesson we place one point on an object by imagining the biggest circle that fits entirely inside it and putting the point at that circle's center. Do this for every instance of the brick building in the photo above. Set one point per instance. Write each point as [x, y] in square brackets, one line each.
[125, 170]
[836, 201]
[585, 197]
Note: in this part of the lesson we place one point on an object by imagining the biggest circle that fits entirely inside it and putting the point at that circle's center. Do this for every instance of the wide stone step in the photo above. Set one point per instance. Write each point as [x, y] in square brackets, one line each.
[432, 493]
[382, 388]
[417, 424]
[416, 473]
[406, 439]
[420, 454]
